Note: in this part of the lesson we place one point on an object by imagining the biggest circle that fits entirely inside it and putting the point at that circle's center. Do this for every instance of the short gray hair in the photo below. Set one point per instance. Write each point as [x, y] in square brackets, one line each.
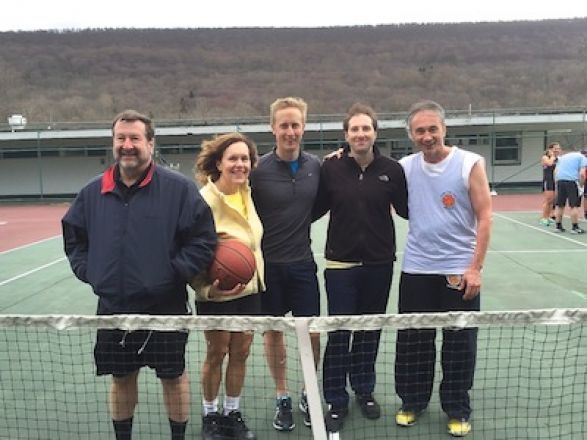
[425, 105]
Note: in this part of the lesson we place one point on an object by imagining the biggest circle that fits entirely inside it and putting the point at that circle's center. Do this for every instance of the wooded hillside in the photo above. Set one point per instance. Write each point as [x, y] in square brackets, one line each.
[207, 73]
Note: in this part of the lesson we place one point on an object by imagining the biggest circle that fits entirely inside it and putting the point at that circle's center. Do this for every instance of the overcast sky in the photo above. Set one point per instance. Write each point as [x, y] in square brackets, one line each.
[68, 14]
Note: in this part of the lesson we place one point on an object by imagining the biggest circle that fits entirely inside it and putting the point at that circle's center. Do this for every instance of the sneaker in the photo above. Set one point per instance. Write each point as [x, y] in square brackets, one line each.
[458, 427]
[305, 409]
[577, 230]
[406, 418]
[544, 221]
[212, 427]
[283, 420]
[334, 419]
[560, 230]
[369, 406]
[236, 427]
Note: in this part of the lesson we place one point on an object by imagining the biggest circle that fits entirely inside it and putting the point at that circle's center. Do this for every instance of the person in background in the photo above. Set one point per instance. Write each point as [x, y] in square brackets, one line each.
[284, 187]
[223, 168]
[584, 153]
[359, 190]
[449, 229]
[548, 162]
[570, 180]
[137, 234]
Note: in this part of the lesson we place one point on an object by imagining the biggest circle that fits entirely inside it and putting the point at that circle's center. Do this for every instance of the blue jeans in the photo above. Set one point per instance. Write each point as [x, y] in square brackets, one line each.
[360, 290]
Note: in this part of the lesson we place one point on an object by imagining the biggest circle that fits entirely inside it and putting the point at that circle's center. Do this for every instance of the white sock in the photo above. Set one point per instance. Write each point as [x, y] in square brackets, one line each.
[210, 407]
[231, 404]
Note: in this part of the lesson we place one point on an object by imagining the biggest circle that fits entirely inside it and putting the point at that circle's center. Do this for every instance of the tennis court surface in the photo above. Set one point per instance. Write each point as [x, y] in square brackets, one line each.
[531, 369]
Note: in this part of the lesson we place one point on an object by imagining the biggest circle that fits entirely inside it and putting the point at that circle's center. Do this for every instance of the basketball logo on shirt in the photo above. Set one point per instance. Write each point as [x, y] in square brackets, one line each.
[448, 200]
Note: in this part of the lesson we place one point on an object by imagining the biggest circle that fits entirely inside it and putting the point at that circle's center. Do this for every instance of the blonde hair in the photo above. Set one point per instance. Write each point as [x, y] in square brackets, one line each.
[290, 101]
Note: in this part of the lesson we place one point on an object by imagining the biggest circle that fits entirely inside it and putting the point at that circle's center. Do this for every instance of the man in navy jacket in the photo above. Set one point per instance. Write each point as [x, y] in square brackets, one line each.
[137, 234]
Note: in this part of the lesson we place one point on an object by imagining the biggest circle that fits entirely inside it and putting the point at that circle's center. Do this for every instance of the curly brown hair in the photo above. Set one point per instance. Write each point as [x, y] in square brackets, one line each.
[212, 151]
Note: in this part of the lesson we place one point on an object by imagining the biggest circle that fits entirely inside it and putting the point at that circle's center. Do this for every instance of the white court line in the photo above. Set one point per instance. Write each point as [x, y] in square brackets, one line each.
[579, 294]
[25, 274]
[541, 229]
[528, 251]
[29, 244]
[539, 251]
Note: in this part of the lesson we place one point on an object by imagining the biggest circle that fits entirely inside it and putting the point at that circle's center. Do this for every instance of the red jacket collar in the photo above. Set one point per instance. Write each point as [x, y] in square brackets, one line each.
[109, 182]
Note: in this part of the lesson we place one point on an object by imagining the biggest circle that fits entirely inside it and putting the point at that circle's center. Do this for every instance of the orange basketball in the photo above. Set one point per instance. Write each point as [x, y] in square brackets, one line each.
[234, 263]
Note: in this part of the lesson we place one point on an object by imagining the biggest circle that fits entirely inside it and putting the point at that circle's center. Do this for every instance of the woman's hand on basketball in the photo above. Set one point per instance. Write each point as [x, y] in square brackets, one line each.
[216, 292]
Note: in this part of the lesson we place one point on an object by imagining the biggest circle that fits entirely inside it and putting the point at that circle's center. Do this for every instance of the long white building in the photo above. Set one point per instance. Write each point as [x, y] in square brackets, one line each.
[56, 161]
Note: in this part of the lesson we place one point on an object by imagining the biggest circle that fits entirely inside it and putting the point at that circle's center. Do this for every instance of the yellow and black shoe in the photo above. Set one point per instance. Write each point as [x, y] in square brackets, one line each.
[406, 418]
[458, 427]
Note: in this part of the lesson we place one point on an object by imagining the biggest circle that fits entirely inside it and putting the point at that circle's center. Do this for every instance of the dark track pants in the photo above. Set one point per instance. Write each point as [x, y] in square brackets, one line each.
[361, 290]
[416, 349]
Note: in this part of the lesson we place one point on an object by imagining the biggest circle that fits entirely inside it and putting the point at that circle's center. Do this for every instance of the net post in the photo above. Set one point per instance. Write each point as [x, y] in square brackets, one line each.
[310, 378]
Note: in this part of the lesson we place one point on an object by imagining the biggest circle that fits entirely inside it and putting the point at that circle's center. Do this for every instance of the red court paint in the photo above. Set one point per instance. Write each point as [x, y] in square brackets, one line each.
[21, 225]
[517, 202]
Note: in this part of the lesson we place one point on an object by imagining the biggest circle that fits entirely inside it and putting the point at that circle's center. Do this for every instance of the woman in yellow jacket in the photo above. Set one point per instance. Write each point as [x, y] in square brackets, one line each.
[223, 167]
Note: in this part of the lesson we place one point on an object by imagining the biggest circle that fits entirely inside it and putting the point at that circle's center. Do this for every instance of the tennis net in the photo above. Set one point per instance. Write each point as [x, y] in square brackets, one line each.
[530, 376]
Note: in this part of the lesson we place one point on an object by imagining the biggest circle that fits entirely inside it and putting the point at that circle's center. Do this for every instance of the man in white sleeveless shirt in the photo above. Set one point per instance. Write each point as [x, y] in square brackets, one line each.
[449, 207]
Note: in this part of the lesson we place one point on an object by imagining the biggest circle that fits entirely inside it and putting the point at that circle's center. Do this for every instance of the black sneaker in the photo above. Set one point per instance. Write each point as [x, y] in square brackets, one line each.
[577, 230]
[283, 420]
[305, 409]
[212, 427]
[334, 419]
[236, 428]
[369, 406]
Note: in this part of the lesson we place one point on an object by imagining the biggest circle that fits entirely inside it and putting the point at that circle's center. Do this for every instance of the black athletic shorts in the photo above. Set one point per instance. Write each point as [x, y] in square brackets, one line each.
[249, 305]
[548, 184]
[567, 190]
[121, 352]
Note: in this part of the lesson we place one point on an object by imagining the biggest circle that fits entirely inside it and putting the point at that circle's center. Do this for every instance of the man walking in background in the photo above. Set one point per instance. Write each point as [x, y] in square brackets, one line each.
[137, 234]
[449, 207]
[284, 186]
[570, 183]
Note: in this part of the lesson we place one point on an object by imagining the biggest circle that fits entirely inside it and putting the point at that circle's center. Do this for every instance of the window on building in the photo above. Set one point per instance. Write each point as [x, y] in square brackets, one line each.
[507, 149]
[99, 152]
[19, 154]
[400, 148]
[468, 140]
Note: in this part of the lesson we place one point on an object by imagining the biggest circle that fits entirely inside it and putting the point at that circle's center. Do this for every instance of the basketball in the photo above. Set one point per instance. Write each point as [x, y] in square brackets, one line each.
[233, 263]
